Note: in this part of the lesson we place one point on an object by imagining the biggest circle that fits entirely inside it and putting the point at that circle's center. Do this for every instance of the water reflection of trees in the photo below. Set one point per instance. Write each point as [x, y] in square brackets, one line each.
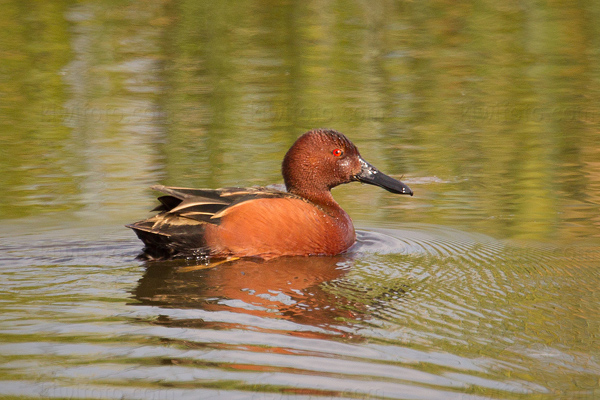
[499, 102]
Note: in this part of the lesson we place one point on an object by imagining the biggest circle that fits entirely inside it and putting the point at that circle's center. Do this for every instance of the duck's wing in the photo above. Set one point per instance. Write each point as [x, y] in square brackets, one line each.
[205, 205]
[178, 229]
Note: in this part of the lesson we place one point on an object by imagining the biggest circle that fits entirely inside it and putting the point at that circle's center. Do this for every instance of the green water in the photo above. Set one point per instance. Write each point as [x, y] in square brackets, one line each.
[482, 285]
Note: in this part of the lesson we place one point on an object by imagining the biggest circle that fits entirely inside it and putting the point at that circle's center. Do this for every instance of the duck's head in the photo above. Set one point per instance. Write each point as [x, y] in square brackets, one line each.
[323, 158]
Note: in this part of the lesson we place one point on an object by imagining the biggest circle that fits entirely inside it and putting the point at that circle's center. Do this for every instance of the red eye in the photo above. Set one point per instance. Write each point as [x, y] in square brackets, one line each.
[337, 152]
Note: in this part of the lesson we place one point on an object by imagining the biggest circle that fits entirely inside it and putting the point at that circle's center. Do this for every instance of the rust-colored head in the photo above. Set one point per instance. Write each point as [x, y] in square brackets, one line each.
[324, 158]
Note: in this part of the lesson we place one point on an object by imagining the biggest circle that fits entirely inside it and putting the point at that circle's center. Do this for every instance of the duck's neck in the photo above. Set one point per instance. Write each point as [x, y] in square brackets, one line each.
[323, 199]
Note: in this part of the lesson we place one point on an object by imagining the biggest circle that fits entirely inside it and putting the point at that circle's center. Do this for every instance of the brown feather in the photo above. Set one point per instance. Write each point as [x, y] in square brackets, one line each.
[178, 230]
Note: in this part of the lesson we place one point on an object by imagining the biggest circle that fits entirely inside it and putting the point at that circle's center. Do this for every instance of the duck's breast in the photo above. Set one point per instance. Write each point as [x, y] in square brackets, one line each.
[272, 227]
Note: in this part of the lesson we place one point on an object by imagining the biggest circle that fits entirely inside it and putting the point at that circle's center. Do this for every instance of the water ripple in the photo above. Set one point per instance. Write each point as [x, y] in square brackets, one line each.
[419, 312]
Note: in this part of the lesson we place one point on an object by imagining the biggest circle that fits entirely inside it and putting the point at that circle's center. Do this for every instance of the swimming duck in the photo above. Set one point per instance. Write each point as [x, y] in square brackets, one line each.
[262, 222]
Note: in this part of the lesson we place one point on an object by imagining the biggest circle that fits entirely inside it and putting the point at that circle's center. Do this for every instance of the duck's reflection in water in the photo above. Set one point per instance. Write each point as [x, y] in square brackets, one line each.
[298, 289]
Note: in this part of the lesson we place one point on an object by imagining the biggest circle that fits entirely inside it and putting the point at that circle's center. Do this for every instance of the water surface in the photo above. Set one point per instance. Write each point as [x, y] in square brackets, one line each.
[483, 285]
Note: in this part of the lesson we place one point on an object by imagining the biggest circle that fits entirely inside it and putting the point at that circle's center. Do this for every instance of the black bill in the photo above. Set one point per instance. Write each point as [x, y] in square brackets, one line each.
[371, 175]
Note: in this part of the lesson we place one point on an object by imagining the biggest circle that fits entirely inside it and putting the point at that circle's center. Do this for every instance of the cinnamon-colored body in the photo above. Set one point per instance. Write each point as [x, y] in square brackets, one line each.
[282, 226]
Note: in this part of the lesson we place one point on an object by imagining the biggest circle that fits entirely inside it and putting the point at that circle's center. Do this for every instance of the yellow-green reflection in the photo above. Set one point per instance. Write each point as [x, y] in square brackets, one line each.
[489, 110]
